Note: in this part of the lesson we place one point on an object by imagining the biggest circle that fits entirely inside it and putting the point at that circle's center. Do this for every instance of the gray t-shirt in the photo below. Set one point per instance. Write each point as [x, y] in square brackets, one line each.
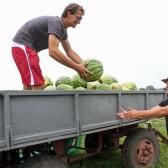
[34, 33]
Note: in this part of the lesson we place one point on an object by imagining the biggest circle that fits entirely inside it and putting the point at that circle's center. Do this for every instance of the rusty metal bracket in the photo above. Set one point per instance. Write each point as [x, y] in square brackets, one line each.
[157, 133]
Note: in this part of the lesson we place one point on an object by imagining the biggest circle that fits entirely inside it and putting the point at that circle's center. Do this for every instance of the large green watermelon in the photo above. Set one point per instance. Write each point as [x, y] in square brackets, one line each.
[77, 81]
[64, 87]
[63, 80]
[95, 67]
[108, 79]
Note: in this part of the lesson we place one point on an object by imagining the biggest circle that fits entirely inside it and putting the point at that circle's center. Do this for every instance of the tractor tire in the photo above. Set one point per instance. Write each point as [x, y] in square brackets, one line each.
[140, 149]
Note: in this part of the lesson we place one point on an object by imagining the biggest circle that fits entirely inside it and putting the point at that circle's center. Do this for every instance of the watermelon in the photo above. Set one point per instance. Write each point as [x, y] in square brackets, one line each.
[103, 86]
[47, 81]
[92, 85]
[63, 80]
[77, 81]
[128, 86]
[124, 88]
[80, 88]
[116, 86]
[64, 87]
[95, 67]
[51, 87]
[108, 79]
[150, 87]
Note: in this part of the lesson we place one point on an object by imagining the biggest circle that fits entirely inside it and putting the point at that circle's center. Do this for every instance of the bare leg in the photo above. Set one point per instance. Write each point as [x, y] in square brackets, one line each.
[39, 87]
[27, 88]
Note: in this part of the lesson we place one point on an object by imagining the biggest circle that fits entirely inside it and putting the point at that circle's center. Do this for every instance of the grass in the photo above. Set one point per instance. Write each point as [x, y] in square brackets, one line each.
[159, 124]
[106, 160]
[113, 158]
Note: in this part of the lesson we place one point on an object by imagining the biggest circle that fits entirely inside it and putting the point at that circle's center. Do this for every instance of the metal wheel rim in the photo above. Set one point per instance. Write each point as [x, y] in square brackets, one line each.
[144, 153]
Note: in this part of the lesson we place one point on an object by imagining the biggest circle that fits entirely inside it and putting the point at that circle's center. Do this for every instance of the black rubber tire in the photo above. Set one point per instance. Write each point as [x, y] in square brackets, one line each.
[43, 161]
[140, 149]
[1, 154]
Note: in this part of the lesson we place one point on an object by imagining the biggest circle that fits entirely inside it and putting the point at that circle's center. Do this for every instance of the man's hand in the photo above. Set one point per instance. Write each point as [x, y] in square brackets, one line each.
[83, 72]
[131, 114]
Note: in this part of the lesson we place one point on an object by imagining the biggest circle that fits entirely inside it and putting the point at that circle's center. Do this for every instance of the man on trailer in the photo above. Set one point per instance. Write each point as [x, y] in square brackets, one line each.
[46, 32]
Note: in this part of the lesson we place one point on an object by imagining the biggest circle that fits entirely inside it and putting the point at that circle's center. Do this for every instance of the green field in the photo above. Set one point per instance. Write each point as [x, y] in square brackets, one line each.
[112, 159]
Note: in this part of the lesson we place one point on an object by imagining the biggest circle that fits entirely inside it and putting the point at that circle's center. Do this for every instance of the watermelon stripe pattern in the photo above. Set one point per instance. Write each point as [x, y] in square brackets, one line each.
[78, 81]
[63, 80]
[96, 69]
[64, 87]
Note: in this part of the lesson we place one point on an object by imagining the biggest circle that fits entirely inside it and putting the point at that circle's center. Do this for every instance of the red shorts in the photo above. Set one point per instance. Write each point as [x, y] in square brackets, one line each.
[27, 61]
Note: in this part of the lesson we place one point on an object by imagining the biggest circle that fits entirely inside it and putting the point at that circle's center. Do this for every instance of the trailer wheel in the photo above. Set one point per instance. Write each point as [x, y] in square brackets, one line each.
[140, 149]
[1, 159]
[43, 161]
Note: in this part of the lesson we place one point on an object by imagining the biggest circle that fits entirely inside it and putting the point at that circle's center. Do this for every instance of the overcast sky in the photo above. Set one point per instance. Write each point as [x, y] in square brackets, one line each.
[130, 37]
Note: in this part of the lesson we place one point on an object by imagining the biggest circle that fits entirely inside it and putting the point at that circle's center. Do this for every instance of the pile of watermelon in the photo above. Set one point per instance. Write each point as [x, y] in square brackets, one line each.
[95, 81]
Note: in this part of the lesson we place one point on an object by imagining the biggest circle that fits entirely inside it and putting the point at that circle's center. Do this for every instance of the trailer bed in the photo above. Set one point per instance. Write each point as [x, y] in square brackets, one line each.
[34, 117]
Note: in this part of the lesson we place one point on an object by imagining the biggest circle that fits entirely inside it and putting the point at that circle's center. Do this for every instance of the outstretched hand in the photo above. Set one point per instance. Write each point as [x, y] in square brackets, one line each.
[130, 114]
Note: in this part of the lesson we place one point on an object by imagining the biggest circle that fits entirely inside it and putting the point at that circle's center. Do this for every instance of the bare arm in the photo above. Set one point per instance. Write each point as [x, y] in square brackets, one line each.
[55, 53]
[71, 54]
[154, 112]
